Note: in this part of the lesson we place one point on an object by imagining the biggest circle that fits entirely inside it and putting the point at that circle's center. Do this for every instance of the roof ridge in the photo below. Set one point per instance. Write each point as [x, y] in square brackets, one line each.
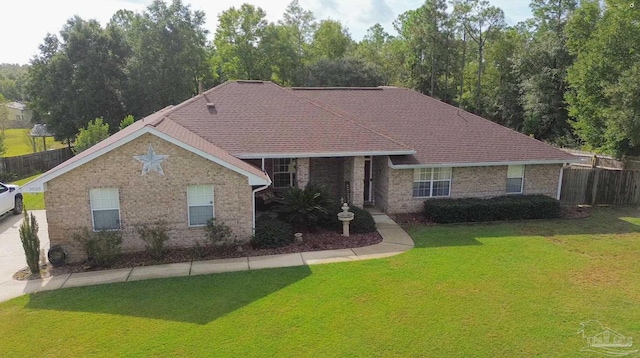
[173, 108]
[378, 88]
[345, 116]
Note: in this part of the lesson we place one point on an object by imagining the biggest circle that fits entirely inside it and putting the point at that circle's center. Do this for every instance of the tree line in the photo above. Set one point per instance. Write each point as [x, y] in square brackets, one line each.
[567, 76]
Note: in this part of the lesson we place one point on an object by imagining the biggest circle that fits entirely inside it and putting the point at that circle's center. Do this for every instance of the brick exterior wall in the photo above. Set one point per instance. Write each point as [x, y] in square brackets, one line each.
[302, 172]
[354, 174]
[477, 182]
[328, 172]
[148, 198]
[380, 174]
[542, 179]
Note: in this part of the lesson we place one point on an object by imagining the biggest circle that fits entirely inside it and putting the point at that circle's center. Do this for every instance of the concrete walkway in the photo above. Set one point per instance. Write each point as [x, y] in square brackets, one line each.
[394, 241]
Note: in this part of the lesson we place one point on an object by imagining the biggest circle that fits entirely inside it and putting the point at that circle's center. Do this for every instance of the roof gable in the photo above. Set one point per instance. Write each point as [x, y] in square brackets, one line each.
[156, 124]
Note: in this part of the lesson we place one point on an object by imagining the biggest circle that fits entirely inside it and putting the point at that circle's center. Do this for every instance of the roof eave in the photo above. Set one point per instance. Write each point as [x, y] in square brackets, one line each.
[322, 154]
[484, 164]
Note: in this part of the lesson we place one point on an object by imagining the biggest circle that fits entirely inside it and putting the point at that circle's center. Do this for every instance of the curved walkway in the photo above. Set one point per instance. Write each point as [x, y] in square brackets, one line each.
[394, 241]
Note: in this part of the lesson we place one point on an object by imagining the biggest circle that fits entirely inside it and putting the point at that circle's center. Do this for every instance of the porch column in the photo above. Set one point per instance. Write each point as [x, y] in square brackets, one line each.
[354, 174]
[302, 172]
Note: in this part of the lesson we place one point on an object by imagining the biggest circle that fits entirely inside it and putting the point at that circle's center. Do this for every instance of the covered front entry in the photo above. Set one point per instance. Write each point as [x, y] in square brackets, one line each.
[346, 178]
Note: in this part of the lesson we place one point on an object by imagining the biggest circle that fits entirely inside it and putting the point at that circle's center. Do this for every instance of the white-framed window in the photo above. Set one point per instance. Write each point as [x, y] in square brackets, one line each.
[105, 208]
[200, 204]
[515, 179]
[284, 173]
[431, 182]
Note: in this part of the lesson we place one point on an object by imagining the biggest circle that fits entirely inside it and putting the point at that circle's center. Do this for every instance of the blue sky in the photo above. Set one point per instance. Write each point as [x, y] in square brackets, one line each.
[30, 20]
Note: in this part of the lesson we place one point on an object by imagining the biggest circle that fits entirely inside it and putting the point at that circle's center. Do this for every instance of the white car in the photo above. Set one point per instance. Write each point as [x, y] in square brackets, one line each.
[10, 199]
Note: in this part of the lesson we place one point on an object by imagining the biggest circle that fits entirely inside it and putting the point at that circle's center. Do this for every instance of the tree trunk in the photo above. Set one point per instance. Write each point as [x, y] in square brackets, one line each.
[479, 82]
[433, 70]
[464, 62]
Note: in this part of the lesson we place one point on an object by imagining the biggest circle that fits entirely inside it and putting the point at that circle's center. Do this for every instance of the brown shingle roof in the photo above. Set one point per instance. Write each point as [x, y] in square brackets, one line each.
[254, 118]
[439, 132]
[245, 119]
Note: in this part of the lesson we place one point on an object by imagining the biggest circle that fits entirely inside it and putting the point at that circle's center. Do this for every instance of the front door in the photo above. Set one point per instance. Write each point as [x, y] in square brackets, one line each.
[368, 180]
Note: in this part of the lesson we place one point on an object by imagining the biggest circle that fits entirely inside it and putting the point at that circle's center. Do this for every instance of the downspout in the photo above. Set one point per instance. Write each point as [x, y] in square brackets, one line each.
[253, 202]
[560, 182]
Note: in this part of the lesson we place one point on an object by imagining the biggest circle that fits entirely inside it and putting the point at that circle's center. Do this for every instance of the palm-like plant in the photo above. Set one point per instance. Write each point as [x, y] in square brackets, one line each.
[305, 208]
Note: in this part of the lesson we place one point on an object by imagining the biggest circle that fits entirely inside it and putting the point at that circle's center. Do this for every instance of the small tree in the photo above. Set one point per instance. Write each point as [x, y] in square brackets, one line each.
[126, 121]
[95, 132]
[30, 242]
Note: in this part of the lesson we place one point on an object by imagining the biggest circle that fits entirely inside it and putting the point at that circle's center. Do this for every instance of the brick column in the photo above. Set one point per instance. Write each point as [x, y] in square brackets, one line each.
[354, 174]
[302, 172]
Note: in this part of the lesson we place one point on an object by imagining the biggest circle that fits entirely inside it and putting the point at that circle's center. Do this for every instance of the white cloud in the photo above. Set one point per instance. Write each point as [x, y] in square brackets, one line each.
[30, 20]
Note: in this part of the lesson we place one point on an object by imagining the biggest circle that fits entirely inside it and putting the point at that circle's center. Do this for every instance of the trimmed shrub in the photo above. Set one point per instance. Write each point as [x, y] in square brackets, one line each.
[271, 233]
[362, 222]
[102, 247]
[30, 242]
[219, 234]
[305, 208]
[508, 207]
[154, 237]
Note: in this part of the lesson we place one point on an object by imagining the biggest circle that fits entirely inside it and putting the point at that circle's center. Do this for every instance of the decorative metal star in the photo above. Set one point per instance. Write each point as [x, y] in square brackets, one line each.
[151, 161]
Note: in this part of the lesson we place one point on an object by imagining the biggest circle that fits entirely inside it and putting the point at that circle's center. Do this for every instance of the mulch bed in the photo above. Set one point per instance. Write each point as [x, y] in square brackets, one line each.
[316, 241]
[566, 212]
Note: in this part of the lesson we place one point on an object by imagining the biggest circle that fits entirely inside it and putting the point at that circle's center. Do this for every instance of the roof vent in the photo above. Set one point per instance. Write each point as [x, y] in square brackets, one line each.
[211, 105]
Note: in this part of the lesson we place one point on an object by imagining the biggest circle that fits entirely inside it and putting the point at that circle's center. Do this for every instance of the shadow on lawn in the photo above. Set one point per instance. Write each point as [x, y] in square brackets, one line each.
[602, 221]
[194, 299]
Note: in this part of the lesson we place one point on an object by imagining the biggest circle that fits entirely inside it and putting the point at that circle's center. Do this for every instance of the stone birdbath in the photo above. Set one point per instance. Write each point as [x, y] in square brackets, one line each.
[345, 216]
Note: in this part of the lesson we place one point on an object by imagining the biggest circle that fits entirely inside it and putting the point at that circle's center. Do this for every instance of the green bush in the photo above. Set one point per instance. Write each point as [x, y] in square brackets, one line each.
[30, 242]
[271, 233]
[96, 132]
[218, 233]
[154, 237]
[508, 207]
[102, 247]
[8, 177]
[362, 222]
[199, 250]
[305, 208]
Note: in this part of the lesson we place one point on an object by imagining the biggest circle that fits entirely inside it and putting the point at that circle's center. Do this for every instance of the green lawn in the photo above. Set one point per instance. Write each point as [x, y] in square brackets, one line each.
[16, 144]
[485, 290]
[33, 201]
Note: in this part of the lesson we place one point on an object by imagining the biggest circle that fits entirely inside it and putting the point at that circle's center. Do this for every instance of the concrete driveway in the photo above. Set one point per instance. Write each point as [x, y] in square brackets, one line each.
[11, 253]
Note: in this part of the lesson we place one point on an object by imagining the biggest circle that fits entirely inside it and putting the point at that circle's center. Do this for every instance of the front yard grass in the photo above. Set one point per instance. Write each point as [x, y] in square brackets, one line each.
[32, 201]
[484, 290]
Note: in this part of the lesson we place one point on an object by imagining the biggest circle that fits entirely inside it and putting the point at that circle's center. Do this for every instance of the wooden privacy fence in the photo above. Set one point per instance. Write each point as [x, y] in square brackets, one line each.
[27, 165]
[600, 186]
